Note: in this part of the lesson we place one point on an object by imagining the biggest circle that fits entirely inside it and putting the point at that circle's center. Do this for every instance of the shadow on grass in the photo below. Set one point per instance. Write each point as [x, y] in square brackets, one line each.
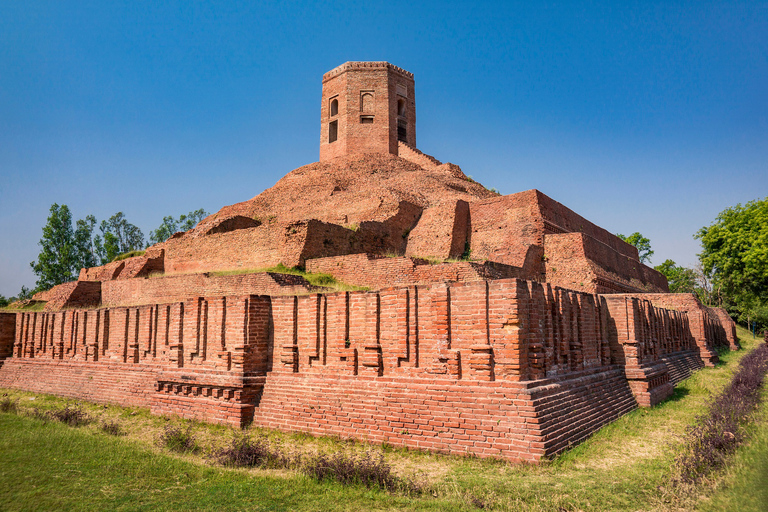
[677, 394]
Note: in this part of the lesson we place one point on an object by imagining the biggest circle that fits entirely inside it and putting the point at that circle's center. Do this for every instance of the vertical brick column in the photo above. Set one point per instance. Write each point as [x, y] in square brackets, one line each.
[284, 311]
[508, 328]
[310, 339]
[372, 361]
[91, 336]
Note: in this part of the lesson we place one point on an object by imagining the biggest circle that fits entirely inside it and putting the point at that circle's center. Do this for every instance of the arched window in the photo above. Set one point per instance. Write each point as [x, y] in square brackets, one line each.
[334, 107]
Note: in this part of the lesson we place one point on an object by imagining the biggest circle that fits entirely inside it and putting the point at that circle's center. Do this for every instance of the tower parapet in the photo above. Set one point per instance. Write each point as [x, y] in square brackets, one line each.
[367, 107]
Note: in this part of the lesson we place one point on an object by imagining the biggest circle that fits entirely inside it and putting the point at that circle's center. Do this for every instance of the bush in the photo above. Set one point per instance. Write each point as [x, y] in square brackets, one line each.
[246, 452]
[112, 428]
[365, 469]
[178, 439]
[72, 415]
[717, 433]
[8, 405]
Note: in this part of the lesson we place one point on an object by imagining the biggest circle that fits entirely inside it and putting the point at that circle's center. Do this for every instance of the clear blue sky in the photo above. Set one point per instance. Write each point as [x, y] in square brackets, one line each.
[647, 116]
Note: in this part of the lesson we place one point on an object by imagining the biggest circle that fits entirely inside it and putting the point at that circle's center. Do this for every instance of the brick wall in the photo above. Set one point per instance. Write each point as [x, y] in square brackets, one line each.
[7, 332]
[705, 327]
[441, 232]
[579, 254]
[654, 345]
[164, 356]
[728, 325]
[375, 272]
[176, 288]
[71, 295]
[580, 262]
[506, 368]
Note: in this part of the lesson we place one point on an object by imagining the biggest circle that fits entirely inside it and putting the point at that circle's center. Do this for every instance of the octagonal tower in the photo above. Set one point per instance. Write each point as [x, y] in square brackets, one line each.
[367, 107]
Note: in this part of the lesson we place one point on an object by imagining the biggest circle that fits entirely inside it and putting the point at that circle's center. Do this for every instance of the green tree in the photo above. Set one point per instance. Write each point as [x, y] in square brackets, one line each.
[85, 248]
[643, 245]
[171, 225]
[680, 279]
[735, 256]
[56, 261]
[117, 237]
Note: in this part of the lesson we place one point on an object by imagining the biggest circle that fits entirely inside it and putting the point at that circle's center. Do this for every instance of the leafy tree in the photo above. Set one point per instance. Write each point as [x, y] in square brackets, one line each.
[85, 248]
[735, 256]
[680, 279]
[643, 245]
[24, 294]
[3, 301]
[57, 259]
[171, 225]
[117, 236]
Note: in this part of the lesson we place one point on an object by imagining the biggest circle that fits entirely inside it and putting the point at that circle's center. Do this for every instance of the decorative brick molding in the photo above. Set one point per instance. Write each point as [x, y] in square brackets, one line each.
[508, 368]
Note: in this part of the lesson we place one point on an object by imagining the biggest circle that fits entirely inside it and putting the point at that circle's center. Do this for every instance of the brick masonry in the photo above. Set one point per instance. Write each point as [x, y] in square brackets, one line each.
[379, 272]
[507, 368]
[552, 329]
[176, 288]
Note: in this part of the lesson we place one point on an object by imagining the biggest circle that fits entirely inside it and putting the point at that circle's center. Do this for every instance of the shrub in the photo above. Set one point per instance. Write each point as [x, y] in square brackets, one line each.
[716, 434]
[72, 415]
[365, 469]
[178, 439]
[246, 452]
[112, 428]
[39, 415]
[8, 405]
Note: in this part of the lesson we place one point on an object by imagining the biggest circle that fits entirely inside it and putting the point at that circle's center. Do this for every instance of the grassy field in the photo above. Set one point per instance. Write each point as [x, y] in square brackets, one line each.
[628, 465]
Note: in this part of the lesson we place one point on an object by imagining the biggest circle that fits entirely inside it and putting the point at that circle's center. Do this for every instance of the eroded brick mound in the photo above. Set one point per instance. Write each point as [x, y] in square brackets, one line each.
[351, 190]
[354, 204]
[71, 295]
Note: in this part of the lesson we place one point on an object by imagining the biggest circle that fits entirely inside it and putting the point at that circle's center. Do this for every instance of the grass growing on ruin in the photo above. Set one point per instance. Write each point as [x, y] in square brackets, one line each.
[628, 465]
[314, 279]
[129, 254]
[31, 306]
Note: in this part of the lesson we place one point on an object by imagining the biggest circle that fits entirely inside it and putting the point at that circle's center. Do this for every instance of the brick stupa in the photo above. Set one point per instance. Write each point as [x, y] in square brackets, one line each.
[504, 326]
[375, 212]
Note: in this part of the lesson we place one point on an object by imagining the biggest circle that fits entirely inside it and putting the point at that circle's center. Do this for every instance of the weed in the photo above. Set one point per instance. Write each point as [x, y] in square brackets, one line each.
[178, 439]
[467, 254]
[72, 414]
[37, 414]
[365, 469]
[8, 405]
[112, 428]
[246, 452]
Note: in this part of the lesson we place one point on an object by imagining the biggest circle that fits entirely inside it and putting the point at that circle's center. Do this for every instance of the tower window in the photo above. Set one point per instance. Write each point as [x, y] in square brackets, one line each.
[401, 107]
[333, 131]
[366, 102]
[334, 107]
[366, 119]
[402, 130]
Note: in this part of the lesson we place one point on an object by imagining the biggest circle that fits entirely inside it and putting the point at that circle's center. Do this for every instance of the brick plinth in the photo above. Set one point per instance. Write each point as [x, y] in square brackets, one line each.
[506, 368]
[514, 421]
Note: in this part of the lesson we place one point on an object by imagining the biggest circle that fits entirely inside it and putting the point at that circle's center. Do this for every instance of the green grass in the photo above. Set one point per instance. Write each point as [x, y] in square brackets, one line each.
[36, 306]
[627, 465]
[314, 279]
[129, 254]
